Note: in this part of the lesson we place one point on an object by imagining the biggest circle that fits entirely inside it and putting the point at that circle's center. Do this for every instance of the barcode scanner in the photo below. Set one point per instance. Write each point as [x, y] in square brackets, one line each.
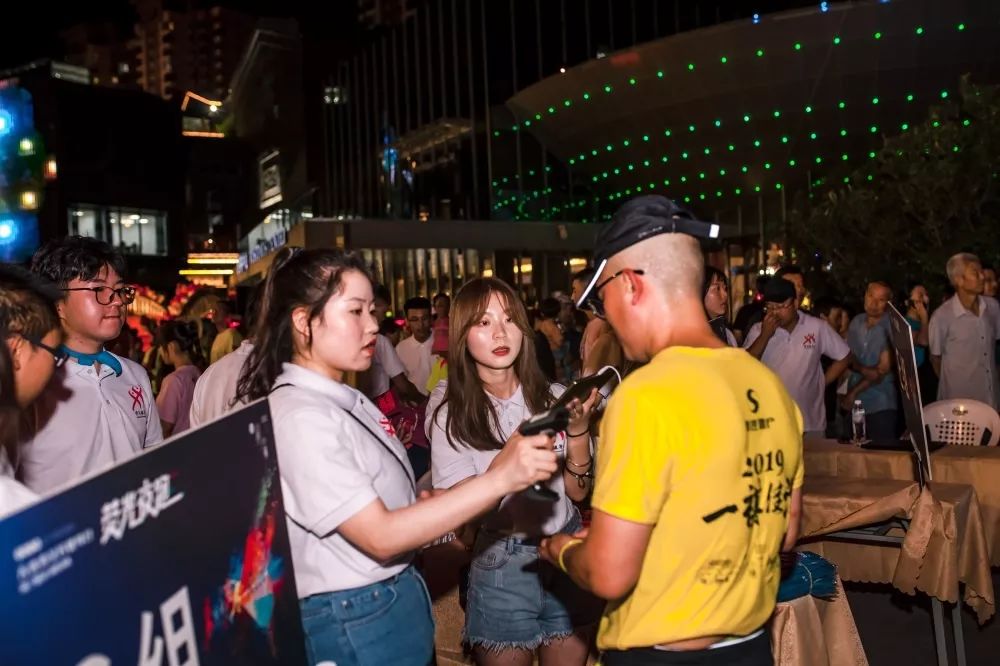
[549, 422]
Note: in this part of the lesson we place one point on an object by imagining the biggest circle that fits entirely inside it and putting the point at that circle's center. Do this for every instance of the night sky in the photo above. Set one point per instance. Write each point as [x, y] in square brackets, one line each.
[31, 27]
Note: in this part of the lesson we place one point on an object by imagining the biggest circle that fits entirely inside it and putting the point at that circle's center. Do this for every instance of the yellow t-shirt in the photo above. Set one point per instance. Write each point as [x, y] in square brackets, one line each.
[705, 445]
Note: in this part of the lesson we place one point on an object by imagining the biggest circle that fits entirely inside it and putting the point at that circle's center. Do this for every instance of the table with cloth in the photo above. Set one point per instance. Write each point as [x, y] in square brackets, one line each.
[977, 466]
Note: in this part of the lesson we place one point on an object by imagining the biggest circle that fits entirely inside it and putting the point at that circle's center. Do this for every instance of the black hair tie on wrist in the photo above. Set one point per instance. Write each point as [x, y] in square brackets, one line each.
[578, 434]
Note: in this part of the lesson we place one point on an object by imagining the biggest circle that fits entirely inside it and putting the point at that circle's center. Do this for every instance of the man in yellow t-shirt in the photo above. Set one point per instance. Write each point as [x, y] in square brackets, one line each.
[699, 466]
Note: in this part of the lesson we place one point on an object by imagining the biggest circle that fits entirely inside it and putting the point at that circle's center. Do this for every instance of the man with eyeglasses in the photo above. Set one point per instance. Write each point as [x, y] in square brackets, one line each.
[99, 409]
[793, 344]
[699, 466]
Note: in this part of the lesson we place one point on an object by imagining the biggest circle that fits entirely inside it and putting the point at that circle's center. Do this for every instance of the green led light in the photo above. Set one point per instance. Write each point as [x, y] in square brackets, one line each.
[527, 123]
[843, 132]
[809, 109]
[702, 196]
[538, 116]
[954, 149]
[909, 98]
[777, 114]
[836, 40]
[610, 147]
[659, 75]
[645, 137]
[791, 162]
[966, 122]
[784, 139]
[617, 171]
[847, 179]
[935, 124]
[841, 104]
[593, 152]
[684, 155]
[944, 94]
[552, 109]
[666, 132]
[708, 151]
[871, 155]
[701, 174]
[744, 168]
[738, 191]
[690, 66]
[664, 159]
[873, 129]
[684, 179]
[666, 182]
[960, 26]
[756, 143]
[631, 167]
[756, 188]
[645, 163]
[723, 60]
[687, 199]
[767, 165]
[812, 135]
[722, 172]
[625, 143]
[877, 35]
[607, 89]
[760, 53]
[874, 100]
[746, 117]
[631, 82]
[904, 127]
[798, 46]
[869, 177]
[844, 157]
[496, 132]
[919, 30]
[566, 102]
[718, 194]
[731, 147]
[531, 172]
[819, 160]
[691, 128]
[777, 186]
[718, 123]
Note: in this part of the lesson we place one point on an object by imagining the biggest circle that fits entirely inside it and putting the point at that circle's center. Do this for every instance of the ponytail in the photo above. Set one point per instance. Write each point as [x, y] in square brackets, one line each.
[298, 278]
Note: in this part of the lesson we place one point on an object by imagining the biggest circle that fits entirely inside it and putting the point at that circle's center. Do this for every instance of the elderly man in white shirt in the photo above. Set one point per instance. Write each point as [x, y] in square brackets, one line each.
[963, 334]
[792, 343]
[415, 351]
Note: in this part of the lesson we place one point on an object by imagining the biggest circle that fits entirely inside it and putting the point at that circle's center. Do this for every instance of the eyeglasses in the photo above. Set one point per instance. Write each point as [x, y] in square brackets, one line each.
[59, 355]
[106, 295]
[595, 302]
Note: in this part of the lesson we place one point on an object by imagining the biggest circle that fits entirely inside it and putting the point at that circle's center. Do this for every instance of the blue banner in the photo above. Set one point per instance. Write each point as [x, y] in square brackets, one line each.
[179, 556]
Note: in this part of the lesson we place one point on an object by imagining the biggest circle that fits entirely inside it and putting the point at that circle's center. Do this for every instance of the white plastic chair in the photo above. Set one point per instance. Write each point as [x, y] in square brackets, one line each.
[962, 423]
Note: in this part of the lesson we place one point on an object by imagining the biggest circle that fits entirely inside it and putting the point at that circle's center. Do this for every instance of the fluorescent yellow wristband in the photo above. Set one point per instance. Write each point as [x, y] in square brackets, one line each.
[562, 552]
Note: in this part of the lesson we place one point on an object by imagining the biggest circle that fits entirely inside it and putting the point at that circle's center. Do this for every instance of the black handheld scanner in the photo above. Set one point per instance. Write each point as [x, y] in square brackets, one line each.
[552, 421]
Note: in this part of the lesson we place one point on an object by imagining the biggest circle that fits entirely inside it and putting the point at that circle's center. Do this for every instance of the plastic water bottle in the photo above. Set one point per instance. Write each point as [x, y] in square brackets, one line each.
[858, 422]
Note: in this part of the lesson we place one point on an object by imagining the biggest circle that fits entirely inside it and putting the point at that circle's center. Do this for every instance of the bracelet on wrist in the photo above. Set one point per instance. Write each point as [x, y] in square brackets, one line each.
[577, 434]
[562, 552]
[590, 461]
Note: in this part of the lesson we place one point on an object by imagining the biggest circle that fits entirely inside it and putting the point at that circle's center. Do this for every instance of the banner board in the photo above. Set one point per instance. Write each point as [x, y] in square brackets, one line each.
[901, 337]
[179, 556]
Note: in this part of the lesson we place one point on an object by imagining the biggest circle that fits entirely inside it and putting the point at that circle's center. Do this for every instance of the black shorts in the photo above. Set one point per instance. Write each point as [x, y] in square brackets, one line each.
[755, 652]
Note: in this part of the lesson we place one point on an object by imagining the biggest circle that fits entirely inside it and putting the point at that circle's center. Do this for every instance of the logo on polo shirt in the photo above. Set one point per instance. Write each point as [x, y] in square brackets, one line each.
[138, 401]
[809, 341]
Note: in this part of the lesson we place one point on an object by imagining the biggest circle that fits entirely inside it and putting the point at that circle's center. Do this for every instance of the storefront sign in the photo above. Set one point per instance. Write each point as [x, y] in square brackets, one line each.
[270, 179]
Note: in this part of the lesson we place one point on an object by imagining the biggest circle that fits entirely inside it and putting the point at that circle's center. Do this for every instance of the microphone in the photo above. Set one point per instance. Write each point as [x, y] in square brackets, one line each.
[550, 422]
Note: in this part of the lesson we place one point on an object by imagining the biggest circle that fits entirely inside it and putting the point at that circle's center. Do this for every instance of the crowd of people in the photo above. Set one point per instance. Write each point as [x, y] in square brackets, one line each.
[390, 437]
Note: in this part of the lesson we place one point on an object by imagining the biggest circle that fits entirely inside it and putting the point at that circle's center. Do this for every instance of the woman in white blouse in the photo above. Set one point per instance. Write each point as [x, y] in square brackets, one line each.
[353, 519]
[517, 603]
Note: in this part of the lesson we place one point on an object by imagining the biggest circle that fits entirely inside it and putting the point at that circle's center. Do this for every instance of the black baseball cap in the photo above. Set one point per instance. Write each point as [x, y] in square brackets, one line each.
[641, 218]
[778, 290]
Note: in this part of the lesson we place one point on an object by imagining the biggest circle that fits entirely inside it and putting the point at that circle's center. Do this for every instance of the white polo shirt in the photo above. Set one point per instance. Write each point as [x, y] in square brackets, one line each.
[518, 514]
[795, 358]
[966, 344]
[416, 358]
[331, 467]
[216, 388]
[85, 421]
[385, 366]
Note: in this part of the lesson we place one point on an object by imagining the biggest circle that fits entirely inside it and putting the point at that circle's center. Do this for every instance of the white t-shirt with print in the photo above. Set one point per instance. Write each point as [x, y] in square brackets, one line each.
[84, 422]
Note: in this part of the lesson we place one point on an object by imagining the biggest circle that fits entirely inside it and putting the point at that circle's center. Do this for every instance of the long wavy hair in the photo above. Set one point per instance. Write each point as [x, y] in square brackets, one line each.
[297, 279]
[472, 419]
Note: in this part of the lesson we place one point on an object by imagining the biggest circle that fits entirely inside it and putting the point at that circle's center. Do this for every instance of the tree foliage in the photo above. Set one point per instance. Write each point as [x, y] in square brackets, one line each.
[931, 191]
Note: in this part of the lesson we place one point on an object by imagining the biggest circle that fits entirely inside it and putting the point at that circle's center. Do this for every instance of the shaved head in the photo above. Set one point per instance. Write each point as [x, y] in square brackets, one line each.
[673, 262]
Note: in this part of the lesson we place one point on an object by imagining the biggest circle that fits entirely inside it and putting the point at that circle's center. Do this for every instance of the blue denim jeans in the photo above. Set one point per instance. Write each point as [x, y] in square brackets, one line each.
[518, 601]
[388, 622]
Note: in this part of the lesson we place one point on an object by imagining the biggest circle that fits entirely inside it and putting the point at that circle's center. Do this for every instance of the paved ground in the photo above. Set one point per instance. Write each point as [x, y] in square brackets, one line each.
[896, 629]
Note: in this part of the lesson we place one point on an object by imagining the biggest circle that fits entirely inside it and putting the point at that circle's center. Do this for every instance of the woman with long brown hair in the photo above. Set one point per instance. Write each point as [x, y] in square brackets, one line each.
[348, 488]
[517, 603]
